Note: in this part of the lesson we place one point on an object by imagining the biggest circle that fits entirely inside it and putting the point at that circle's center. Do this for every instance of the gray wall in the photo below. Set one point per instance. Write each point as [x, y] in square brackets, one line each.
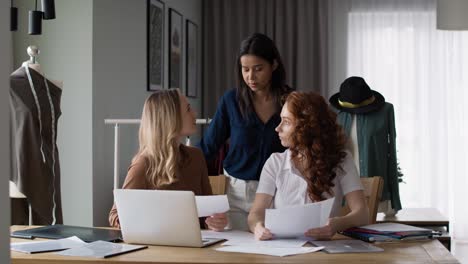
[66, 52]
[119, 85]
[98, 48]
[337, 39]
[5, 69]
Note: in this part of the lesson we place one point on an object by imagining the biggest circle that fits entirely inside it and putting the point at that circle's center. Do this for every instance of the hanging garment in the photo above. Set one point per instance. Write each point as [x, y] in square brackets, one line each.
[35, 109]
[376, 147]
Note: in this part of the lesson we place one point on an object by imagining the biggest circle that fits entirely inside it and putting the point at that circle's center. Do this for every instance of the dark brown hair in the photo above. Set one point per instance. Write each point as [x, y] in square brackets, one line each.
[318, 141]
[261, 46]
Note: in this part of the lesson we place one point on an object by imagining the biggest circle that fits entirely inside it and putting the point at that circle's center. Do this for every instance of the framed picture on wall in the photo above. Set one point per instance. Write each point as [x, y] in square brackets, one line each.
[155, 44]
[191, 59]
[175, 49]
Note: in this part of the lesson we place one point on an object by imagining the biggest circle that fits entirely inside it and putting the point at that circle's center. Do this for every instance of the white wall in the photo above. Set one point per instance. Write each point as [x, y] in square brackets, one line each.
[5, 69]
[66, 52]
[119, 85]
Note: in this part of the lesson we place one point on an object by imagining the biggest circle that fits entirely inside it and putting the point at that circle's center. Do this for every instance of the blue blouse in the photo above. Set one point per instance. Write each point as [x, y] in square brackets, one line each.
[251, 141]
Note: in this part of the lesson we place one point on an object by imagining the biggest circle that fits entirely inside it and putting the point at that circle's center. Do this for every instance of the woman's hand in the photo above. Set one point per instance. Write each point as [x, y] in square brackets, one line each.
[261, 233]
[325, 232]
[217, 222]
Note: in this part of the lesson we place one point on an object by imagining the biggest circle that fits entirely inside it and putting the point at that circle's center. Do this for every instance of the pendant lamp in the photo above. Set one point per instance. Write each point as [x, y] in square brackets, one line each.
[35, 21]
[48, 9]
[13, 17]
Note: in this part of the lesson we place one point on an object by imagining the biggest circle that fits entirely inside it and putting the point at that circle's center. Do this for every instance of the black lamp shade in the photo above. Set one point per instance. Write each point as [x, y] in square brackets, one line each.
[35, 23]
[13, 18]
[48, 7]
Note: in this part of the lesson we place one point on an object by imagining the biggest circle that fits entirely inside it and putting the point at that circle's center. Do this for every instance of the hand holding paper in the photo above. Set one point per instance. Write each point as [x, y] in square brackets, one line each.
[217, 222]
[325, 232]
[295, 221]
[211, 204]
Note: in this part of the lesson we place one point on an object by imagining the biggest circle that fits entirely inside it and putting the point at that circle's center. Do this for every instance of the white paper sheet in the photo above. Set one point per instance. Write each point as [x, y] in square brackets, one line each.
[241, 238]
[100, 249]
[211, 204]
[296, 220]
[47, 246]
[280, 252]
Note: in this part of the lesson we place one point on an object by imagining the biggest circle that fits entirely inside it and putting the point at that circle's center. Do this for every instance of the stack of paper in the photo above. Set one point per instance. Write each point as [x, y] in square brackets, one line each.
[388, 232]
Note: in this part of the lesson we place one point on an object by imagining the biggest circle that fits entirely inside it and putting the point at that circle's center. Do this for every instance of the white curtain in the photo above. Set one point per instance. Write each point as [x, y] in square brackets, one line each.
[395, 46]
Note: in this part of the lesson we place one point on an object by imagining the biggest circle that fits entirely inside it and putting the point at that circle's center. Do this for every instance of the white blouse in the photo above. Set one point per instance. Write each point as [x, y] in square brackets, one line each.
[284, 182]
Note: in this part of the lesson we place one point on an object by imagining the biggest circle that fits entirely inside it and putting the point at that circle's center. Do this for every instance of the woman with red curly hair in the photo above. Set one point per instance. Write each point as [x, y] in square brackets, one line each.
[315, 167]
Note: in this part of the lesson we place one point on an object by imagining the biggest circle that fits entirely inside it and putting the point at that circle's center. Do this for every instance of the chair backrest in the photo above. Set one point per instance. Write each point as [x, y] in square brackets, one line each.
[373, 187]
[218, 184]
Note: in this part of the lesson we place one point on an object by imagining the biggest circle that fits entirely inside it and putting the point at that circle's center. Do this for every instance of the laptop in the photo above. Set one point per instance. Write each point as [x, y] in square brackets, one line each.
[153, 217]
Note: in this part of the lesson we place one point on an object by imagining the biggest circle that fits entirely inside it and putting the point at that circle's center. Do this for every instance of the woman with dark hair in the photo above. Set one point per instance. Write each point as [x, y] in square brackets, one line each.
[315, 167]
[247, 116]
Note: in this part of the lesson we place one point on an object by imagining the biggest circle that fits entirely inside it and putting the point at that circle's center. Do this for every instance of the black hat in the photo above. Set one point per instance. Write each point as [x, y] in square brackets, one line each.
[356, 97]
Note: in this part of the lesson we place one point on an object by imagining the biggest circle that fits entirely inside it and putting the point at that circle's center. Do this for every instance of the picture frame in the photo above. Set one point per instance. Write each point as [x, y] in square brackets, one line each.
[191, 56]
[155, 45]
[175, 49]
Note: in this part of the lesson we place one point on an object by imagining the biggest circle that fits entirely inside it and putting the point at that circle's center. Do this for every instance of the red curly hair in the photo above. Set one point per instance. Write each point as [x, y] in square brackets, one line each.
[318, 141]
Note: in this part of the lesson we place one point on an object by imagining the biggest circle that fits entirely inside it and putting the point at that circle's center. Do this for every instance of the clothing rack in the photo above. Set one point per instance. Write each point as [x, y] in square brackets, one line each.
[117, 123]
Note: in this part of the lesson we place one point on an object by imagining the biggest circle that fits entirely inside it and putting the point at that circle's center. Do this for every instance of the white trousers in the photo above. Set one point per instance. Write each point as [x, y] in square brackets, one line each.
[241, 195]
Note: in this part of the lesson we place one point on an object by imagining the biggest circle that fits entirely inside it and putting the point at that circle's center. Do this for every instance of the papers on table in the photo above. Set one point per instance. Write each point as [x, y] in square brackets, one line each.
[74, 246]
[211, 204]
[100, 249]
[246, 239]
[280, 252]
[245, 242]
[295, 221]
[47, 246]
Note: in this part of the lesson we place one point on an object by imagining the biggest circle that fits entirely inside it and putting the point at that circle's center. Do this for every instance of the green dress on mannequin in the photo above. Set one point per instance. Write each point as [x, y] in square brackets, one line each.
[370, 124]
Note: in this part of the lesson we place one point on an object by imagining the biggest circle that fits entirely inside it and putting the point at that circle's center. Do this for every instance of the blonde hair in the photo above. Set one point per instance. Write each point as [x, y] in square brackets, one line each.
[161, 123]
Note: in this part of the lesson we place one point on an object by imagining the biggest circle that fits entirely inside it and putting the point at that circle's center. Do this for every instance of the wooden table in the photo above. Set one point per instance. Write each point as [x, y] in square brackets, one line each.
[428, 251]
[423, 217]
[416, 217]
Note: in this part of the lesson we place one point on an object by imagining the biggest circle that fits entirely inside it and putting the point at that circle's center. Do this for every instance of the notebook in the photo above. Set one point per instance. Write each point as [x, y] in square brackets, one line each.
[346, 246]
[152, 217]
[87, 234]
[388, 232]
[46, 246]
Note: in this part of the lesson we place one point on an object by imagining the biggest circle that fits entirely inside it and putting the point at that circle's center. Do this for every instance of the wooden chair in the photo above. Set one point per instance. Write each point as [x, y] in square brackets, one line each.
[373, 187]
[218, 184]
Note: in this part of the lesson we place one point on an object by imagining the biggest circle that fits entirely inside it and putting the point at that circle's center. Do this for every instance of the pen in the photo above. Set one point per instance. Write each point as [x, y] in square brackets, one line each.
[21, 236]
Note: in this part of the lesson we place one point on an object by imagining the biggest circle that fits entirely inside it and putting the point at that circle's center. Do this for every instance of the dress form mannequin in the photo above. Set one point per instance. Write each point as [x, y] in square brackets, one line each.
[369, 123]
[35, 109]
[353, 146]
[32, 63]
[33, 52]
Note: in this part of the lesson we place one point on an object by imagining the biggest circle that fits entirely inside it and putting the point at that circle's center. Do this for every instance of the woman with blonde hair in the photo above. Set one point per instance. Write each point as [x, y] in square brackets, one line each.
[316, 166]
[162, 162]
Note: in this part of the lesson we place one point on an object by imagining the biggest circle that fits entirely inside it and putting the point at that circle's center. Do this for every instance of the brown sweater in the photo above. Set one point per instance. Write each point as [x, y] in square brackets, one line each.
[191, 173]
